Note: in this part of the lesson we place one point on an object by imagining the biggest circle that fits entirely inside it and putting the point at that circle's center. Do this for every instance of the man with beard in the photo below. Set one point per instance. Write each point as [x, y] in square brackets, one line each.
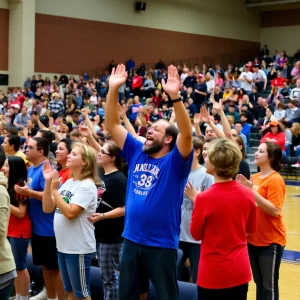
[158, 172]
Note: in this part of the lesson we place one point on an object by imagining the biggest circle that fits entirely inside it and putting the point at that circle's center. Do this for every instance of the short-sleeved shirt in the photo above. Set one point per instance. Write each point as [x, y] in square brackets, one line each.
[155, 190]
[42, 223]
[269, 229]
[76, 236]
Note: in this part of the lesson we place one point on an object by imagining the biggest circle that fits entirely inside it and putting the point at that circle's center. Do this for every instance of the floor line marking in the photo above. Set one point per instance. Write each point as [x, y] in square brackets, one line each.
[296, 233]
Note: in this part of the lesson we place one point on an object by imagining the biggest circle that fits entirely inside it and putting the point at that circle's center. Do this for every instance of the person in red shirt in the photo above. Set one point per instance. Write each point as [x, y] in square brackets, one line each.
[274, 134]
[278, 81]
[19, 226]
[64, 148]
[222, 217]
[136, 84]
[156, 99]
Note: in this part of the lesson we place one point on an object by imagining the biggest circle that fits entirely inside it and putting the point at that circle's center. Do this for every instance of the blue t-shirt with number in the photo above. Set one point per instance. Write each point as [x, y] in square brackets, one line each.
[155, 189]
[42, 223]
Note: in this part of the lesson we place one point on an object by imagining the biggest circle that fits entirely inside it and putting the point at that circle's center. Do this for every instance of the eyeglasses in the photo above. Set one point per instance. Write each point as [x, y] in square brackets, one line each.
[31, 148]
[103, 152]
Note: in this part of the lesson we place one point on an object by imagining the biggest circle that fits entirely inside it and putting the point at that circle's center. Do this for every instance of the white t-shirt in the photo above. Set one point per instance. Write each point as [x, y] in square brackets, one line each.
[245, 84]
[261, 75]
[94, 100]
[76, 236]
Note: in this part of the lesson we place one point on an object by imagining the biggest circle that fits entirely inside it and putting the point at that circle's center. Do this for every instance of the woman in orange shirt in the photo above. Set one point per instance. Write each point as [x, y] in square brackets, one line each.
[266, 245]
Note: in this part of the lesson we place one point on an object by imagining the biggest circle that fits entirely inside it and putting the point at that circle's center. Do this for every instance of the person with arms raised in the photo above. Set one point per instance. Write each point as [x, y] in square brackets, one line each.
[158, 173]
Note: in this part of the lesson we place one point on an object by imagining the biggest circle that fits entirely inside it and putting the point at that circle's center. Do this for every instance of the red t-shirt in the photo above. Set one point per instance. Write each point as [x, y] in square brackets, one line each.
[19, 227]
[222, 216]
[278, 138]
[64, 175]
[278, 82]
[137, 82]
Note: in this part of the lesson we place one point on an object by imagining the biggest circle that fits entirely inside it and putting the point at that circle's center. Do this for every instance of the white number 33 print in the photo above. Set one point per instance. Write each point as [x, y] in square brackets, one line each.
[145, 181]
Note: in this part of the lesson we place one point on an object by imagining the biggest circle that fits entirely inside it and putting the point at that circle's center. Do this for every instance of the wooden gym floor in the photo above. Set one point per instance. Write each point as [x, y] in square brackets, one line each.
[289, 285]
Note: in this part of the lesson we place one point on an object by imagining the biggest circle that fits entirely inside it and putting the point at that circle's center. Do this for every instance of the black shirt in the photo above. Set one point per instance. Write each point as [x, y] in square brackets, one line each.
[111, 195]
[190, 81]
[199, 99]
[154, 117]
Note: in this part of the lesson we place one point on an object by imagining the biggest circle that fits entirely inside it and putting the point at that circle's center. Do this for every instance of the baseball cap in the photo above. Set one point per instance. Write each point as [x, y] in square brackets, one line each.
[247, 66]
[15, 106]
[200, 76]
[256, 66]
[274, 123]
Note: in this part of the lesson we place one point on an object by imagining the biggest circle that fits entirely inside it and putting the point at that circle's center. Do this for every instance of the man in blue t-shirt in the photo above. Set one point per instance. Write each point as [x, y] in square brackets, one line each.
[43, 241]
[158, 172]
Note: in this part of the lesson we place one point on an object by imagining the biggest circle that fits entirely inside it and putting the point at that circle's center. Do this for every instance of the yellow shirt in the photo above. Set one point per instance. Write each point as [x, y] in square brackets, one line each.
[226, 95]
[22, 155]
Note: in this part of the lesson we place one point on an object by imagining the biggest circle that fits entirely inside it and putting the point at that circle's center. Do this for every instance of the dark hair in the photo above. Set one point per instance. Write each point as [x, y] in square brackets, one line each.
[42, 144]
[269, 129]
[11, 130]
[274, 155]
[68, 143]
[114, 151]
[240, 142]
[47, 134]
[198, 145]
[2, 156]
[237, 122]
[17, 175]
[14, 140]
[172, 131]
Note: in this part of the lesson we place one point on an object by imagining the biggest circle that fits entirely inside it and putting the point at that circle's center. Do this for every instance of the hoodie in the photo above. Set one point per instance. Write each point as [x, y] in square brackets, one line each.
[7, 263]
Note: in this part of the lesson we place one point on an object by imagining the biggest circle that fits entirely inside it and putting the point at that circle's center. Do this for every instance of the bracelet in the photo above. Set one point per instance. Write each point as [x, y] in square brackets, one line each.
[177, 100]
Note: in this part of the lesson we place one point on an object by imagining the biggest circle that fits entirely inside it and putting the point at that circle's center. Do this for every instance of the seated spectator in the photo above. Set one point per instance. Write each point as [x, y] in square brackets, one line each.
[273, 133]
[153, 114]
[134, 108]
[94, 97]
[259, 78]
[297, 55]
[272, 72]
[246, 79]
[264, 67]
[56, 106]
[244, 109]
[232, 112]
[137, 83]
[156, 99]
[236, 82]
[280, 112]
[278, 81]
[281, 59]
[190, 80]
[200, 93]
[217, 94]
[288, 137]
[21, 119]
[227, 93]
[274, 96]
[253, 96]
[268, 118]
[210, 83]
[190, 106]
[285, 91]
[238, 128]
[295, 92]
[148, 87]
[188, 93]
[286, 72]
[292, 113]
[295, 129]
[295, 72]
[219, 80]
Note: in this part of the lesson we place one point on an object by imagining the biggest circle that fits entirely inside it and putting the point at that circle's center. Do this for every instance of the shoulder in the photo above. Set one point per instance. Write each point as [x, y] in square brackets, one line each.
[276, 179]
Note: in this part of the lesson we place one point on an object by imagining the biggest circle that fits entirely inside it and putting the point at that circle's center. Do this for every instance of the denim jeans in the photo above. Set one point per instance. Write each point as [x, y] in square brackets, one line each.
[140, 263]
[298, 151]
[265, 264]
[192, 252]
[6, 292]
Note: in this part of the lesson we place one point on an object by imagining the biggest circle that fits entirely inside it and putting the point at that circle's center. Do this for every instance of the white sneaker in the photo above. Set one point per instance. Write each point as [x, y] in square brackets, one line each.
[41, 296]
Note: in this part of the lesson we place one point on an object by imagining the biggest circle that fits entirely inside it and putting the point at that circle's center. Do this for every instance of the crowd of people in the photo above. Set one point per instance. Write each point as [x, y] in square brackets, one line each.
[124, 167]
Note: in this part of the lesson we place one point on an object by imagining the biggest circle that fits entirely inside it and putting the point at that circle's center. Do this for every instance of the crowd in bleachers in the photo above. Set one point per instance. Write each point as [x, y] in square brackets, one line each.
[68, 124]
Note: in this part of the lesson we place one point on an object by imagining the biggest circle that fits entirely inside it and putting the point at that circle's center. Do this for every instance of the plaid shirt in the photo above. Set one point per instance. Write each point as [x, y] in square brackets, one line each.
[56, 107]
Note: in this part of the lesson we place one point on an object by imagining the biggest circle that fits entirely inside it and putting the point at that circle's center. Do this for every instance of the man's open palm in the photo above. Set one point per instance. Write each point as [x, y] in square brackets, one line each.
[118, 76]
[173, 84]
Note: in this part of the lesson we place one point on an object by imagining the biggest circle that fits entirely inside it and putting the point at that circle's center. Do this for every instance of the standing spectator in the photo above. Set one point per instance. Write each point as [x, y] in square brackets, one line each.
[63, 79]
[7, 266]
[137, 83]
[134, 108]
[200, 181]
[156, 99]
[150, 243]
[33, 84]
[246, 79]
[190, 80]
[200, 92]
[266, 245]
[74, 202]
[297, 55]
[19, 227]
[109, 218]
[43, 242]
[224, 266]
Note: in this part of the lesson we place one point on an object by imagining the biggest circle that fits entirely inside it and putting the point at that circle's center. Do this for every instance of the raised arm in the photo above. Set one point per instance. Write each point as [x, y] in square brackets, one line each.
[184, 139]
[126, 121]
[112, 120]
[224, 121]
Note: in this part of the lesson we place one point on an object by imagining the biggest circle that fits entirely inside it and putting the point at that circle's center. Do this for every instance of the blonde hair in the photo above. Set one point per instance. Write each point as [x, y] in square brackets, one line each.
[225, 156]
[295, 129]
[90, 169]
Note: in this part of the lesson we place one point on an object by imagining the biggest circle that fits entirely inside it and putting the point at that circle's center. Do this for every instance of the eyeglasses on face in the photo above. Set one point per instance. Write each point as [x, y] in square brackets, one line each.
[31, 148]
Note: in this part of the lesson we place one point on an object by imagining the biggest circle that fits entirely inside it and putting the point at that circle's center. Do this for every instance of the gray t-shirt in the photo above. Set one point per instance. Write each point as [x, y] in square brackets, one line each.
[198, 178]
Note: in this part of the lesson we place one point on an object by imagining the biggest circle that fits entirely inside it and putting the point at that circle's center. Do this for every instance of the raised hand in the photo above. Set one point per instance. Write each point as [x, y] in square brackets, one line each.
[197, 119]
[118, 77]
[173, 84]
[204, 115]
[47, 171]
[84, 131]
[217, 106]
[244, 181]
[22, 190]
